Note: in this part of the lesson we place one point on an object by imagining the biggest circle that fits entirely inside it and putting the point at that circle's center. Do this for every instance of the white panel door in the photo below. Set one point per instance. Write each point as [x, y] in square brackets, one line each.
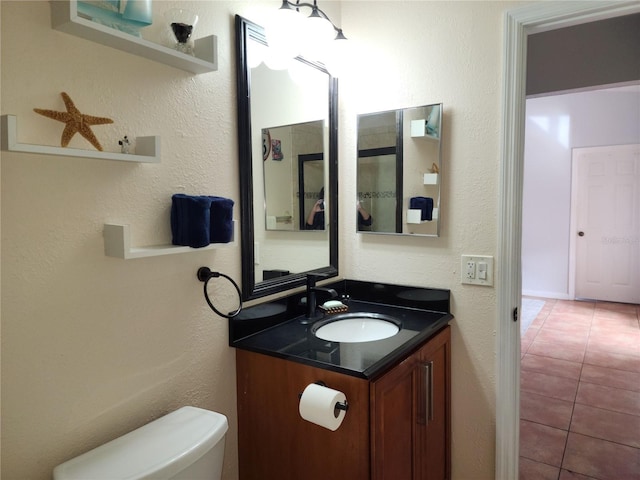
[607, 223]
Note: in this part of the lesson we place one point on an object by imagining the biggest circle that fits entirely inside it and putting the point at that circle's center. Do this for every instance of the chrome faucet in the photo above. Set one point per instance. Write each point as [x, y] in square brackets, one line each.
[312, 301]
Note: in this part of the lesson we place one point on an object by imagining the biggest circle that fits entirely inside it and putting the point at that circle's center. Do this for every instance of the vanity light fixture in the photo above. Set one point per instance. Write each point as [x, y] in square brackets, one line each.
[290, 34]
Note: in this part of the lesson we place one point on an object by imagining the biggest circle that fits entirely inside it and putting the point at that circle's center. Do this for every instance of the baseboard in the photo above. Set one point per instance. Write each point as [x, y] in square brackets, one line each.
[554, 295]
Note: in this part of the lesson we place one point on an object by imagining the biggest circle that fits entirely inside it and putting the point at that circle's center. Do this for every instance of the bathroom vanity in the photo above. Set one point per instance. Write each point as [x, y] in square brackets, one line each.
[397, 425]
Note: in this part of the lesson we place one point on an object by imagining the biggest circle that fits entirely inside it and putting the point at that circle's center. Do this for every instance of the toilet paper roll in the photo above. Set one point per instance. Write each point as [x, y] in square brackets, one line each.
[318, 405]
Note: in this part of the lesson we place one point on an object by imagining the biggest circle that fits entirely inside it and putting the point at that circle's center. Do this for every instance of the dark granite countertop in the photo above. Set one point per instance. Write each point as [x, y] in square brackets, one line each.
[276, 329]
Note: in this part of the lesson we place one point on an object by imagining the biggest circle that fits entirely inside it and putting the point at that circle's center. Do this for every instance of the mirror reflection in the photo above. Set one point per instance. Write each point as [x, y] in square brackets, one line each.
[311, 183]
[399, 171]
[294, 176]
[288, 159]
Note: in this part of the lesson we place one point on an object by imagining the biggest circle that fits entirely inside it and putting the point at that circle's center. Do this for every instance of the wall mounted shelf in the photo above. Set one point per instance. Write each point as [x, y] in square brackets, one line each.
[64, 17]
[147, 148]
[414, 216]
[117, 243]
[430, 179]
[419, 130]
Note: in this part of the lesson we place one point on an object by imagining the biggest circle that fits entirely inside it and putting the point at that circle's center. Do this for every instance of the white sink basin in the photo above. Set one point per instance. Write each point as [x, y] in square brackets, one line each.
[357, 327]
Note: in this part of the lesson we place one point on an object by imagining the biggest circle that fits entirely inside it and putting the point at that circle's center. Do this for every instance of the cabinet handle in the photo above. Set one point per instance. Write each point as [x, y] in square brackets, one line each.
[428, 391]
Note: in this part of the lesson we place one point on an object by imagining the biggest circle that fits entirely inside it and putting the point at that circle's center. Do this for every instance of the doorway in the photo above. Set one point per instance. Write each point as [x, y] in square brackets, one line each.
[519, 23]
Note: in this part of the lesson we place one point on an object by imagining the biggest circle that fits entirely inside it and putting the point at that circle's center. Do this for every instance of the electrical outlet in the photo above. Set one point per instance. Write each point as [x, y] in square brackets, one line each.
[477, 270]
[471, 270]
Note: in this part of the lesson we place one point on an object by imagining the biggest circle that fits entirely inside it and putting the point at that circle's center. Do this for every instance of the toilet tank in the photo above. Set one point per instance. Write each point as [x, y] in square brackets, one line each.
[185, 444]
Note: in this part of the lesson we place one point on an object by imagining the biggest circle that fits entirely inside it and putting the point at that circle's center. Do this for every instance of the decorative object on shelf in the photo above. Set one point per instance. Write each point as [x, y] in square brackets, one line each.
[181, 23]
[290, 34]
[127, 16]
[434, 168]
[198, 220]
[125, 144]
[76, 122]
[205, 274]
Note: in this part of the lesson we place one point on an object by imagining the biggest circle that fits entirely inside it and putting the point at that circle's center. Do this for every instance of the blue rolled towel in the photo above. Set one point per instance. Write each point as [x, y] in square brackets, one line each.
[425, 205]
[190, 220]
[221, 222]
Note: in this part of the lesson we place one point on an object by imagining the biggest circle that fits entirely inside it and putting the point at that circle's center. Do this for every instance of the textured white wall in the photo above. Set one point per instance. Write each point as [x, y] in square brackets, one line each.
[554, 126]
[416, 53]
[96, 346]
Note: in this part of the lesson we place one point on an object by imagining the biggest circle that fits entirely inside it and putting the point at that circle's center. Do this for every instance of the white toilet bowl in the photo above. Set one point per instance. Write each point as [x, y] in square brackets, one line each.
[187, 444]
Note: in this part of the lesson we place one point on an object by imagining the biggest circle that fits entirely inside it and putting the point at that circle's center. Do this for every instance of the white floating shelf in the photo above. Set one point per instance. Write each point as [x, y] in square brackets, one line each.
[64, 17]
[430, 179]
[117, 243]
[147, 148]
[419, 130]
[414, 216]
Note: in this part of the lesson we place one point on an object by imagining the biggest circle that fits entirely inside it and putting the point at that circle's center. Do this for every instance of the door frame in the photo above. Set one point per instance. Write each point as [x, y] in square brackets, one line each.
[518, 24]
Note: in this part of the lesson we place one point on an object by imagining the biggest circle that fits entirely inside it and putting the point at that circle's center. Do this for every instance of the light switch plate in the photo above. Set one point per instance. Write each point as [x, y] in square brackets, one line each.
[482, 270]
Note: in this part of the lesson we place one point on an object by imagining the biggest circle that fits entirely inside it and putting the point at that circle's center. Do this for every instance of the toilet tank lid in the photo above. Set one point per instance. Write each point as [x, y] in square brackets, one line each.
[160, 449]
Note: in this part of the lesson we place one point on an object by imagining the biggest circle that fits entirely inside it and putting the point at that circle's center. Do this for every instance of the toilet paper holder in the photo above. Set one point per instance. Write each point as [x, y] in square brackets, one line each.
[338, 406]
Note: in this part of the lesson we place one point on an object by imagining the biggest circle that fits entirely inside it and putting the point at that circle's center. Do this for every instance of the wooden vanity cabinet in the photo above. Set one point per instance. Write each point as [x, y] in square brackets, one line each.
[397, 426]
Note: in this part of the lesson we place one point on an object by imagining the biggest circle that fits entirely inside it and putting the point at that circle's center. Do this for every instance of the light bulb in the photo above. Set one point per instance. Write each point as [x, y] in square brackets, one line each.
[318, 33]
[255, 54]
[277, 60]
[283, 31]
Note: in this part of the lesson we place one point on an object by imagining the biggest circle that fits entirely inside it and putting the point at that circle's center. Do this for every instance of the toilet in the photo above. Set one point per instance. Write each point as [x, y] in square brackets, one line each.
[187, 444]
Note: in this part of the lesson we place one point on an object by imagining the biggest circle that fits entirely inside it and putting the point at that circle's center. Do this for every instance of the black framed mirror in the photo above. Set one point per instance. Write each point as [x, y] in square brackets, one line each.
[275, 260]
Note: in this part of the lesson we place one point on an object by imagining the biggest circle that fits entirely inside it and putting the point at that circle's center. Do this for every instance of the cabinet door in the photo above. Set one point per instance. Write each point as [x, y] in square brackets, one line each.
[410, 419]
[433, 442]
[393, 422]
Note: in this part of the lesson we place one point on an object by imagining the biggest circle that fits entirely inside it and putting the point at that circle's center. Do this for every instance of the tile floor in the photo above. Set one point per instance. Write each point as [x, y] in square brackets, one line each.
[580, 392]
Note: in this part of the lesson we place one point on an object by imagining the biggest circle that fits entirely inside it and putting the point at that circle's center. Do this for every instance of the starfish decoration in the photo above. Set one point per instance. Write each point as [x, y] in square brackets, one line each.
[76, 122]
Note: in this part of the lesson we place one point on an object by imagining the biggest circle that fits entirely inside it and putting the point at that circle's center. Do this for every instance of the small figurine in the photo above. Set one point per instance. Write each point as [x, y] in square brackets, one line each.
[124, 144]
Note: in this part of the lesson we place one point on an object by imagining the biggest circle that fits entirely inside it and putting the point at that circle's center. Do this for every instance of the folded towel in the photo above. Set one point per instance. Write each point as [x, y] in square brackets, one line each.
[190, 220]
[418, 203]
[221, 223]
[425, 205]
